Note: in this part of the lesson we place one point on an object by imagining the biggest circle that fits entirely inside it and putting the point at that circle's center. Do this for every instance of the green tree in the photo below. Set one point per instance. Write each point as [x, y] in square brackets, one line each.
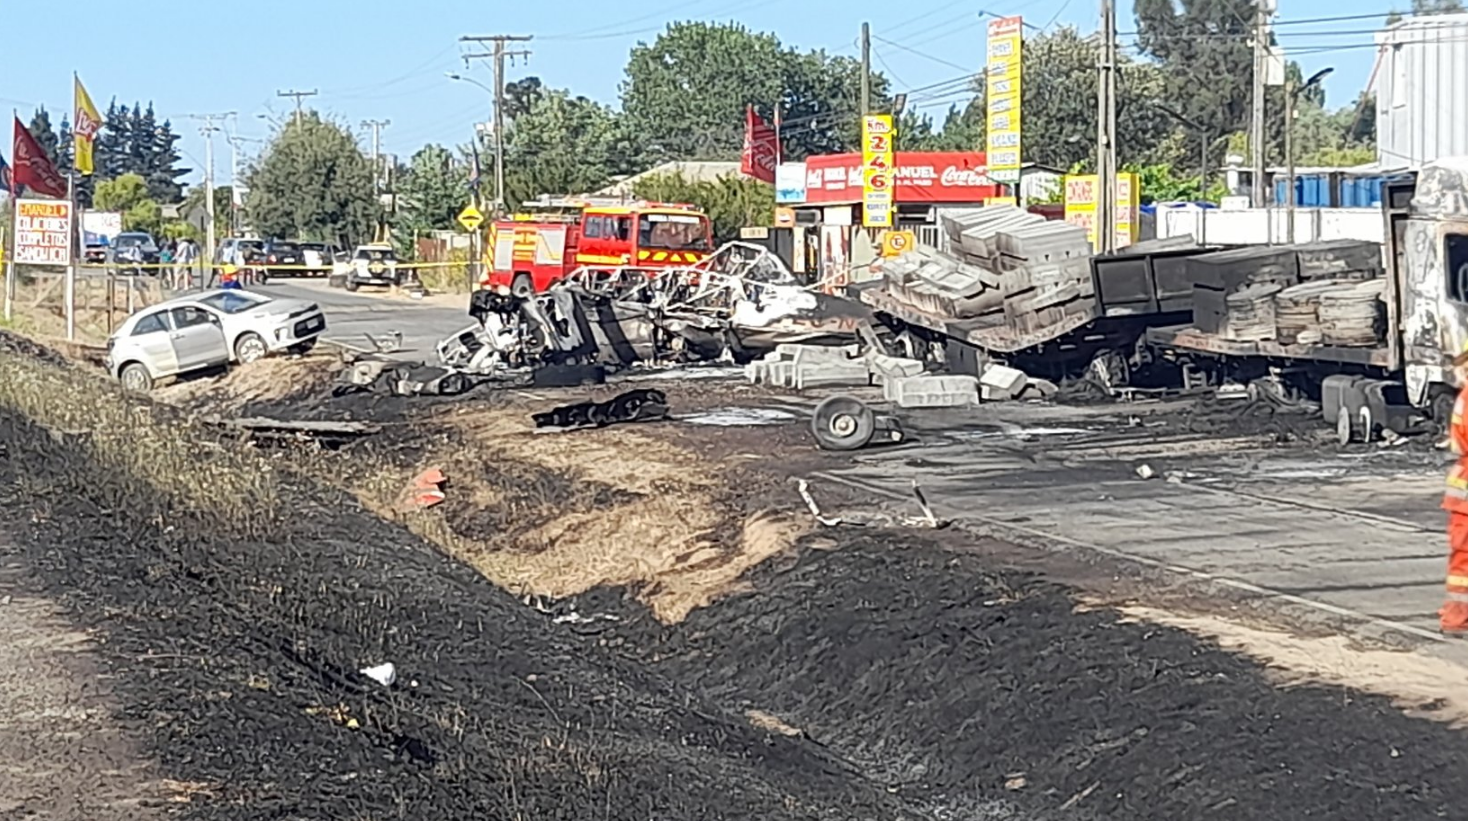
[432, 192]
[1421, 8]
[564, 145]
[129, 195]
[521, 96]
[1059, 104]
[1203, 48]
[111, 148]
[731, 202]
[45, 134]
[313, 182]
[685, 94]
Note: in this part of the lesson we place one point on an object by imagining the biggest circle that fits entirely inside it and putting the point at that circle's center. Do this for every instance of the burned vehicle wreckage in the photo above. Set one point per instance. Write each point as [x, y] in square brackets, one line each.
[734, 306]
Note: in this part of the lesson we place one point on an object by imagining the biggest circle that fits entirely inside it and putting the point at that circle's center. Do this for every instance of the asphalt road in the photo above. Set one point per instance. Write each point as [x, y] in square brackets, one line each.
[1354, 537]
[350, 318]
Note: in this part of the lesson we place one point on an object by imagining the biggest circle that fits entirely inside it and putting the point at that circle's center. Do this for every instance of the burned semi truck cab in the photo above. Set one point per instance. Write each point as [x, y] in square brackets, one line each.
[1427, 256]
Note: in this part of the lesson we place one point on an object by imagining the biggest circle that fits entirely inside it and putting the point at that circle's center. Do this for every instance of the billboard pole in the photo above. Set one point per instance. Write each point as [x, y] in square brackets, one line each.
[8, 263]
[71, 258]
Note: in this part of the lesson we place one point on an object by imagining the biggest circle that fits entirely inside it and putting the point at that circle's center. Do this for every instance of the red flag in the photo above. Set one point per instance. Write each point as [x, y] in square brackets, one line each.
[33, 168]
[761, 147]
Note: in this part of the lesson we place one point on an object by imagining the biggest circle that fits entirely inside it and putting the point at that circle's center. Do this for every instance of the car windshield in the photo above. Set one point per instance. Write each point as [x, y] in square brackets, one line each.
[285, 248]
[133, 240]
[672, 231]
[376, 255]
[233, 302]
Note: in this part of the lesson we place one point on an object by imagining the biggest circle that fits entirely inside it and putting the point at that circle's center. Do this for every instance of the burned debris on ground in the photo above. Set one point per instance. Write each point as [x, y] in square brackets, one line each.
[942, 677]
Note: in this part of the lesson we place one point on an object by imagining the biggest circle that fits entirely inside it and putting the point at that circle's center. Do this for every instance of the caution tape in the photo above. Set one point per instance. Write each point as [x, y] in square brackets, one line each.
[172, 266]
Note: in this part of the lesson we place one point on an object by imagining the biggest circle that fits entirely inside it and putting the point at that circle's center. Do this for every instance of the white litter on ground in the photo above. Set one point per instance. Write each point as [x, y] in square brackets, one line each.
[739, 417]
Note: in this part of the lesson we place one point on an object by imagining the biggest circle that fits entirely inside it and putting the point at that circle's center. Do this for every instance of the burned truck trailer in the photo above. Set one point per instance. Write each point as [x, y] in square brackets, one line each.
[1369, 332]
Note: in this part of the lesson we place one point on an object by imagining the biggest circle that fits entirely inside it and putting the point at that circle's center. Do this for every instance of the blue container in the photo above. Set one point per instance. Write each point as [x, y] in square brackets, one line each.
[1361, 192]
[1311, 191]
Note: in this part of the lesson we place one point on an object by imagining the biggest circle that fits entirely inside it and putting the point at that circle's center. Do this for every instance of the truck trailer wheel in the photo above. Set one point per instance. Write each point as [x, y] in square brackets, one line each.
[843, 423]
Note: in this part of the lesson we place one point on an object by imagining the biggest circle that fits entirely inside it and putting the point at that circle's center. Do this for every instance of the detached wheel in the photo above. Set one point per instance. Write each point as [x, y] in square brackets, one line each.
[135, 378]
[843, 423]
[351, 284]
[250, 348]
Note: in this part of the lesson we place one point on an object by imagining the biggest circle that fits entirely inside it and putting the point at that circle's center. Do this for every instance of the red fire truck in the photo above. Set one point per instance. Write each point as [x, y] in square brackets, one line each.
[532, 251]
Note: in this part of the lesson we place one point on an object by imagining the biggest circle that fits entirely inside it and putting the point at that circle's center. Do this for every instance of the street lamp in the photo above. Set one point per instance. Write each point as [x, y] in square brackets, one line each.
[499, 146]
[1292, 98]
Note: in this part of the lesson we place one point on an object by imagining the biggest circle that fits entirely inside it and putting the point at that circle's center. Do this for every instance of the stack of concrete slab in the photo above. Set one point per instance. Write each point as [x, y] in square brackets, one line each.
[1008, 264]
[818, 366]
[1340, 259]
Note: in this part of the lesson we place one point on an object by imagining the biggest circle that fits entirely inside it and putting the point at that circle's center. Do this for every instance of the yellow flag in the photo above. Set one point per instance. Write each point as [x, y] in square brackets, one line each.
[84, 126]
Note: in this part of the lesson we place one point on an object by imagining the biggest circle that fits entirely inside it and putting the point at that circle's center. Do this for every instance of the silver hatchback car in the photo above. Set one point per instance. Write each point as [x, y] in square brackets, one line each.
[166, 341]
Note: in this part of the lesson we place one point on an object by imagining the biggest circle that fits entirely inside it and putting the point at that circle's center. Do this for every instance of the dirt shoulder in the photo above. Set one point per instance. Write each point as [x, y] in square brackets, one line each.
[64, 754]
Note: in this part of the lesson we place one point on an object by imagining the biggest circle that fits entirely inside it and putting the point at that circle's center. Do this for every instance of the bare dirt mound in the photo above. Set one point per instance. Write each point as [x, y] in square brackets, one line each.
[937, 674]
[270, 380]
[234, 631]
[559, 514]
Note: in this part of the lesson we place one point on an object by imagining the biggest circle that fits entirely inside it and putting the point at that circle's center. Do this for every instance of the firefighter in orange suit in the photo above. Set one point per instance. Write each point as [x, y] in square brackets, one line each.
[1453, 617]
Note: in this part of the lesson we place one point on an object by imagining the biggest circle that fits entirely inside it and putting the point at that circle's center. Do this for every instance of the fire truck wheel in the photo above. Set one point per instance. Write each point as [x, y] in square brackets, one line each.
[522, 287]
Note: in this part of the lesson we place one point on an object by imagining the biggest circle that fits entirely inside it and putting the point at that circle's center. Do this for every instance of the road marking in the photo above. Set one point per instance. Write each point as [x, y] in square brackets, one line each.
[1227, 581]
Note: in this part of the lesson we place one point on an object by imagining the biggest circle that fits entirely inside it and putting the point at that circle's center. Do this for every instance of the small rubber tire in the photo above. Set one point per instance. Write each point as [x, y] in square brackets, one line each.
[843, 423]
[134, 377]
[522, 286]
[1369, 426]
[351, 284]
[250, 347]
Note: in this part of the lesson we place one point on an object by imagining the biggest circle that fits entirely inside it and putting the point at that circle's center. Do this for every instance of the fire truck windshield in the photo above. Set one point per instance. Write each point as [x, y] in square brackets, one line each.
[674, 232]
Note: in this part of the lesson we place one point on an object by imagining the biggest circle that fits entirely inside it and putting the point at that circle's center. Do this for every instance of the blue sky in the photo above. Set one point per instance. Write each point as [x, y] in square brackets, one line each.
[192, 57]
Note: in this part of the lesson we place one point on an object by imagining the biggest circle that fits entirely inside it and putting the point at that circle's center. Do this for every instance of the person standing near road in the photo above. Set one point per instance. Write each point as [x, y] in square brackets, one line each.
[183, 269]
[1453, 617]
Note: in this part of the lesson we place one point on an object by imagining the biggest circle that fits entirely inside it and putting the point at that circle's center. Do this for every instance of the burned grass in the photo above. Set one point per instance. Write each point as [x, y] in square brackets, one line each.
[943, 677]
[234, 635]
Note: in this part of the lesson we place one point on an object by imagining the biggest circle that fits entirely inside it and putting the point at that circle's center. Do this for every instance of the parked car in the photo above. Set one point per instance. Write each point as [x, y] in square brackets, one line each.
[95, 253]
[167, 340]
[372, 265]
[283, 258]
[318, 257]
[134, 248]
[256, 325]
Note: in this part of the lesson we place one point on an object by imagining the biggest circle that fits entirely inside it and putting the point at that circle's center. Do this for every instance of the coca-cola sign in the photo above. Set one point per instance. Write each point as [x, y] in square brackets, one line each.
[921, 176]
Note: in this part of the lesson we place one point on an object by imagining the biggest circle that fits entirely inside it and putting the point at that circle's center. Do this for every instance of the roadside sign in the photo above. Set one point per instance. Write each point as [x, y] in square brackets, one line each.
[42, 232]
[1003, 95]
[896, 243]
[878, 156]
[470, 217]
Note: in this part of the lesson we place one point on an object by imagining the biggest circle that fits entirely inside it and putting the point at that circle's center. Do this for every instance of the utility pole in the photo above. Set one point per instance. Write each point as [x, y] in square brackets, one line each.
[208, 129]
[1256, 111]
[376, 126]
[499, 52]
[234, 172]
[299, 95]
[1106, 133]
[866, 68]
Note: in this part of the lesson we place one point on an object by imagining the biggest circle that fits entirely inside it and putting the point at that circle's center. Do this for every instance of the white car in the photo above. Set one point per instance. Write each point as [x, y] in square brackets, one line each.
[165, 341]
[256, 325]
[209, 329]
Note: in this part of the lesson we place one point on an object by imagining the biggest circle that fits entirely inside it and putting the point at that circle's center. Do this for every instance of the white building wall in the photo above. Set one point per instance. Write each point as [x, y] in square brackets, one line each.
[1422, 90]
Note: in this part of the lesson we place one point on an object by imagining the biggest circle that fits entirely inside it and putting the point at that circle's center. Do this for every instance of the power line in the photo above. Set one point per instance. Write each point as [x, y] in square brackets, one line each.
[299, 96]
[498, 54]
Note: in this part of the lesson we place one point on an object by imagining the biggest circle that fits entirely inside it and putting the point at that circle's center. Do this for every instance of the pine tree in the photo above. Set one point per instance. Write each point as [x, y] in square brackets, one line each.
[163, 171]
[140, 140]
[45, 135]
[111, 147]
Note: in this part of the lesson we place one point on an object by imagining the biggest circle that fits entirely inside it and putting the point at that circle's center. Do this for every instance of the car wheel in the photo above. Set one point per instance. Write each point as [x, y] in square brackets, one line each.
[249, 348]
[135, 378]
[842, 423]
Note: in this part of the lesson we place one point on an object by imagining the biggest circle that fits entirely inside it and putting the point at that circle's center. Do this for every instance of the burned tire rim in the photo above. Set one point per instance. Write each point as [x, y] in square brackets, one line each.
[1343, 428]
[843, 423]
[250, 348]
